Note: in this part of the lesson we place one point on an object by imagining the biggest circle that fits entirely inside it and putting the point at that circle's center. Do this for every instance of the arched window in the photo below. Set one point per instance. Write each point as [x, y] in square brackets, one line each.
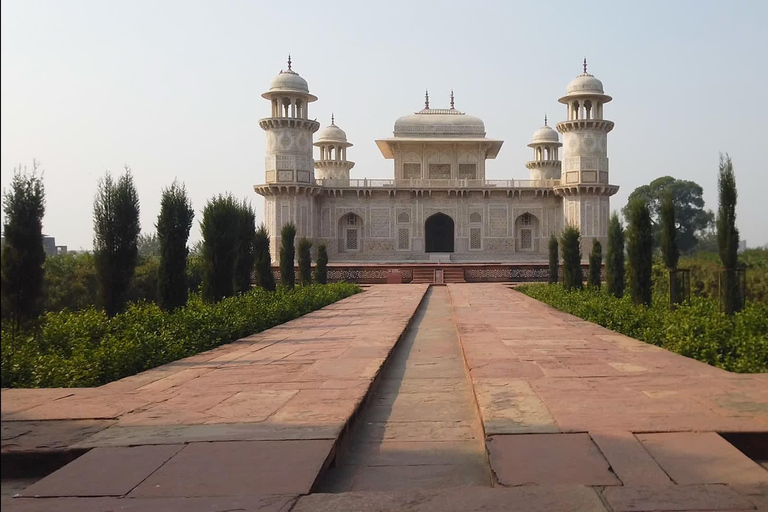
[575, 112]
[350, 233]
[403, 218]
[475, 218]
[588, 109]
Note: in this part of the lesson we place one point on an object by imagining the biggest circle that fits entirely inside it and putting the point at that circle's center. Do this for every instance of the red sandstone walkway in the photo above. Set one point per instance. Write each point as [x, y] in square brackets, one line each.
[576, 417]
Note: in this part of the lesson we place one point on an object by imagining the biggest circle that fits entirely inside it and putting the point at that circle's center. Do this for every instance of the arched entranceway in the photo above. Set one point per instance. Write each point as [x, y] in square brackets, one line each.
[438, 231]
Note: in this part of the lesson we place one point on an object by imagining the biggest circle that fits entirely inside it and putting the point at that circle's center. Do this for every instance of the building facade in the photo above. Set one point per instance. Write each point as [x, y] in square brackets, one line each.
[438, 206]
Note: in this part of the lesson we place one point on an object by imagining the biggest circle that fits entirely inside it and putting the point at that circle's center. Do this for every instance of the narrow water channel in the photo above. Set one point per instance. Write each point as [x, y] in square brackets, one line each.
[421, 429]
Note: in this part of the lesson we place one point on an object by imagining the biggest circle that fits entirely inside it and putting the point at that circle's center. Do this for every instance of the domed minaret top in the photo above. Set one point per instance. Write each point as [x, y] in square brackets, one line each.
[585, 85]
[333, 164]
[289, 82]
[545, 164]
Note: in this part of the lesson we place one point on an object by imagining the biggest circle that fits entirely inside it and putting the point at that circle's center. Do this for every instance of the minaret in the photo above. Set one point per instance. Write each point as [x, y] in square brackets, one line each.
[546, 163]
[289, 187]
[333, 165]
[289, 129]
[584, 183]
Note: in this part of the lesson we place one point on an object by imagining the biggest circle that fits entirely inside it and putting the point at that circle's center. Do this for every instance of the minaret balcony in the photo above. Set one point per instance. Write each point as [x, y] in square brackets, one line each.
[541, 164]
[585, 124]
[271, 123]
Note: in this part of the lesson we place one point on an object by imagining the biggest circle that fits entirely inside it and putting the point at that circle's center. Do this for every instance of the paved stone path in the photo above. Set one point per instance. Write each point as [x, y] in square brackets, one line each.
[421, 429]
[575, 417]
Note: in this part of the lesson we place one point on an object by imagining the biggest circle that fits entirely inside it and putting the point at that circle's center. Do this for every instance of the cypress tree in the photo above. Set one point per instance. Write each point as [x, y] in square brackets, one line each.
[595, 264]
[570, 243]
[220, 228]
[23, 255]
[246, 256]
[728, 234]
[305, 261]
[287, 255]
[173, 225]
[263, 260]
[669, 249]
[116, 235]
[321, 269]
[614, 260]
[553, 259]
[640, 252]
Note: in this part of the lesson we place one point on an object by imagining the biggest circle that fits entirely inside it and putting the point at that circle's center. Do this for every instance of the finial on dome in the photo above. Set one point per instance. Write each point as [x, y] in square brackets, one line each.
[426, 99]
[451, 99]
[545, 120]
[333, 121]
[289, 62]
[585, 65]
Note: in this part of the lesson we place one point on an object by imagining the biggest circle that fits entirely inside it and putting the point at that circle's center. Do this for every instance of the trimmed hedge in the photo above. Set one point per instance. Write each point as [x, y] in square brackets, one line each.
[86, 348]
[696, 329]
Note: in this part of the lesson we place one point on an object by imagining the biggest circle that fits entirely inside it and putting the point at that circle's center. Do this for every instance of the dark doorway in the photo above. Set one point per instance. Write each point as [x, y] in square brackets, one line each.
[439, 233]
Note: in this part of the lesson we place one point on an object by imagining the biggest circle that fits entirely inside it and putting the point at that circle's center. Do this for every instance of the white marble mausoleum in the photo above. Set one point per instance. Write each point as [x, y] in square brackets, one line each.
[438, 205]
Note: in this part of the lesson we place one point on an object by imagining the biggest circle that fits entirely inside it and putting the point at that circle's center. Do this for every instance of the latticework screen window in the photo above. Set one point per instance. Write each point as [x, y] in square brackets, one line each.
[468, 171]
[403, 239]
[351, 239]
[412, 171]
[351, 220]
[475, 238]
[526, 220]
[526, 240]
[439, 171]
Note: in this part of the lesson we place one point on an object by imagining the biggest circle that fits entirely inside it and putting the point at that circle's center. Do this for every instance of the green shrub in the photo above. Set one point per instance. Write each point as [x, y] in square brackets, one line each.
[696, 329]
[614, 260]
[595, 264]
[321, 270]
[287, 255]
[87, 348]
[554, 262]
[305, 261]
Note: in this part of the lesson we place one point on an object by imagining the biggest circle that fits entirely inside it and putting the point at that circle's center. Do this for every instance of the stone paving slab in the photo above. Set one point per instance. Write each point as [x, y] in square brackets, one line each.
[702, 458]
[104, 472]
[549, 459]
[675, 497]
[465, 499]
[629, 459]
[237, 468]
[230, 503]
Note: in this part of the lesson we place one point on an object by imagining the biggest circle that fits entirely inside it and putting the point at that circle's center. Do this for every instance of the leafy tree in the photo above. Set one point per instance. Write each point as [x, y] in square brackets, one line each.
[321, 268]
[116, 235]
[595, 264]
[287, 255]
[305, 261]
[221, 217]
[553, 259]
[173, 225]
[570, 241]
[614, 260]
[149, 245]
[70, 282]
[640, 251]
[690, 215]
[728, 234]
[23, 255]
[669, 250]
[246, 255]
[263, 260]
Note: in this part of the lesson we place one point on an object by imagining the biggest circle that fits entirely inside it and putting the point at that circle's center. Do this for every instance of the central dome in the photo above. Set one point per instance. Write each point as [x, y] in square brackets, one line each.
[439, 123]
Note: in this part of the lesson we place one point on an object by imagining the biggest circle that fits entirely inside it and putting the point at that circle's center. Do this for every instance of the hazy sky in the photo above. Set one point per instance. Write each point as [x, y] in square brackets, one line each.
[173, 88]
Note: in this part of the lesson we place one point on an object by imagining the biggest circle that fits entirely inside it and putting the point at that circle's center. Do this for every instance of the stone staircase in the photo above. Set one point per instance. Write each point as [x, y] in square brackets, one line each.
[453, 275]
[427, 275]
[423, 275]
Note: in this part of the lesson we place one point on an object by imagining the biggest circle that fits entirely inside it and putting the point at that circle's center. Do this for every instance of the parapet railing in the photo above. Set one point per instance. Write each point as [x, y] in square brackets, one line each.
[422, 183]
